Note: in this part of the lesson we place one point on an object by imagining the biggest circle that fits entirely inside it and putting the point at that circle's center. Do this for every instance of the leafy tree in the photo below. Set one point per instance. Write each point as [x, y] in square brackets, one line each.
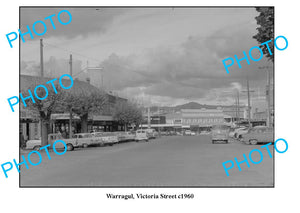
[44, 108]
[265, 20]
[127, 113]
[84, 102]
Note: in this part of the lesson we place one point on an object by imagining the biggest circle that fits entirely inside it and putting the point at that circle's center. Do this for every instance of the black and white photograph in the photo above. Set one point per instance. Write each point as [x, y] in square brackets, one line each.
[146, 96]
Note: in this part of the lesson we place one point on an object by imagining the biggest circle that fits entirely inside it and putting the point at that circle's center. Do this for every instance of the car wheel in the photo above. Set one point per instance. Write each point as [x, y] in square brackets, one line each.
[36, 148]
[253, 142]
[84, 145]
[111, 144]
[70, 147]
[226, 141]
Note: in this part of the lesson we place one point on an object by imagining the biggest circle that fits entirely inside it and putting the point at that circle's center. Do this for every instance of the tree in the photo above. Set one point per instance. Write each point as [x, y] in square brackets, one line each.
[127, 113]
[44, 108]
[84, 102]
[265, 20]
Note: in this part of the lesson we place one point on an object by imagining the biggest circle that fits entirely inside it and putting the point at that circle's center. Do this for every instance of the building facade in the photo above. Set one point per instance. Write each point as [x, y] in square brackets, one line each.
[30, 125]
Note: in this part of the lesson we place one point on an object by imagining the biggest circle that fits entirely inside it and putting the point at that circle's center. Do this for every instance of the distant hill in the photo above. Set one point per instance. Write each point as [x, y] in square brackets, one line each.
[190, 105]
[194, 105]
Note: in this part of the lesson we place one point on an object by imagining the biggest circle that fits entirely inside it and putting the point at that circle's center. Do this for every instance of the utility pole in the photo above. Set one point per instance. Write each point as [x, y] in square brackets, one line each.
[42, 58]
[149, 122]
[42, 75]
[268, 92]
[269, 100]
[236, 110]
[238, 104]
[70, 120]
[71, 62]
[249, 107]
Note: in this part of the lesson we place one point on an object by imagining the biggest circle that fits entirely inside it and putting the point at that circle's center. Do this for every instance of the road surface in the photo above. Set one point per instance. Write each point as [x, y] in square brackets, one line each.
[167, 161]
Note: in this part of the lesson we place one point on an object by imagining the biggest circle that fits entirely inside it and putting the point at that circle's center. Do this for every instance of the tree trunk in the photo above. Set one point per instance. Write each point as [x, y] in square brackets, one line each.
[44, 132]
[125, 126]
[84, 123]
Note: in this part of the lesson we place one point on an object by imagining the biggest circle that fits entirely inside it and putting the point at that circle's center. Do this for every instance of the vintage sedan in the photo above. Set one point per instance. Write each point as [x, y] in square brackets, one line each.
[125, 136]
[33, 144]
[259, 134]
[106, 138]
[238, 133]
[220, 133]
[141, 135]
[71, 143]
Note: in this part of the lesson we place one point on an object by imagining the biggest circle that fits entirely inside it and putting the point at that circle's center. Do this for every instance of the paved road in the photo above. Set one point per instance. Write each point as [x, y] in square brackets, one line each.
[167, 161]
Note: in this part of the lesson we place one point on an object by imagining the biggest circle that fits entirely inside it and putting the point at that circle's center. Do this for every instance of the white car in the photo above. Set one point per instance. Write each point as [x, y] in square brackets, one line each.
[240, 131]
[33, 144]
[125, 136]
[105, 138]
[193, 133]
[188, 132]
[70, 142]
[141, 135]
[152, 133]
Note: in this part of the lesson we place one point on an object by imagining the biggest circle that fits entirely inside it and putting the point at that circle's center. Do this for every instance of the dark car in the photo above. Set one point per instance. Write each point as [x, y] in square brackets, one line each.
[259, 134]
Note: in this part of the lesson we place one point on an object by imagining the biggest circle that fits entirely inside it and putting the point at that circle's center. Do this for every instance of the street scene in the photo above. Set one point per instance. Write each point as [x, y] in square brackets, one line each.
[141, 98]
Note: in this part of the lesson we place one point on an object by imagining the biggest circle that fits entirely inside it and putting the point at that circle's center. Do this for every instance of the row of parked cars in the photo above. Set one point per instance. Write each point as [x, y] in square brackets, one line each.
[252, 135]
[95, 139]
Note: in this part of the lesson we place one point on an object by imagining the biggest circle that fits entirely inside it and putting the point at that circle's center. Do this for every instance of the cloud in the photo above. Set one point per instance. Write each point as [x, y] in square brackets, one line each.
[189, 70]
[84, 21]
[192, 70]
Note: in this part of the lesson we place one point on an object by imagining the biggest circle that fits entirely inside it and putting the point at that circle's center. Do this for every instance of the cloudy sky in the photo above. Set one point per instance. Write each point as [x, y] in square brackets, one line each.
[162, 56]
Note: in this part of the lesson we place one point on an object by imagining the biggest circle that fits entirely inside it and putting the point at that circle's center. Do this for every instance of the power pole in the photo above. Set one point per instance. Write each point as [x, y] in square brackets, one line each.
[43, 138]
[268, 92]
[236, 109]
[238, 105]
[71, 62]
[149, 122]
[42, 58]
[269, 101]
[70, 120]
[249, 107]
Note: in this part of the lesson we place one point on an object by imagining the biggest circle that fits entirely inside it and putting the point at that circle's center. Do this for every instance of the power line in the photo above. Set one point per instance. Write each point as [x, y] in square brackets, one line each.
[70, 51]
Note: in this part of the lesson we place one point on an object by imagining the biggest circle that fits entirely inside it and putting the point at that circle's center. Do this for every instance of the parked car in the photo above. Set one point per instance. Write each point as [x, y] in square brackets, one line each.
[193, 133]
[240, 131]
[125, 136]
[141, 135]
[220, 133]
[179, 133]
[205, 133]
[33, 144]
[70, 142]
[84, 139]
[152, 133]
[259, 134]
[106, 138]
[187, 132]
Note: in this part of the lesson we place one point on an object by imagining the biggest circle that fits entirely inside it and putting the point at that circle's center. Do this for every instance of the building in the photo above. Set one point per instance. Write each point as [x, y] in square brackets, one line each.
[30, 122]
[194, 119]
